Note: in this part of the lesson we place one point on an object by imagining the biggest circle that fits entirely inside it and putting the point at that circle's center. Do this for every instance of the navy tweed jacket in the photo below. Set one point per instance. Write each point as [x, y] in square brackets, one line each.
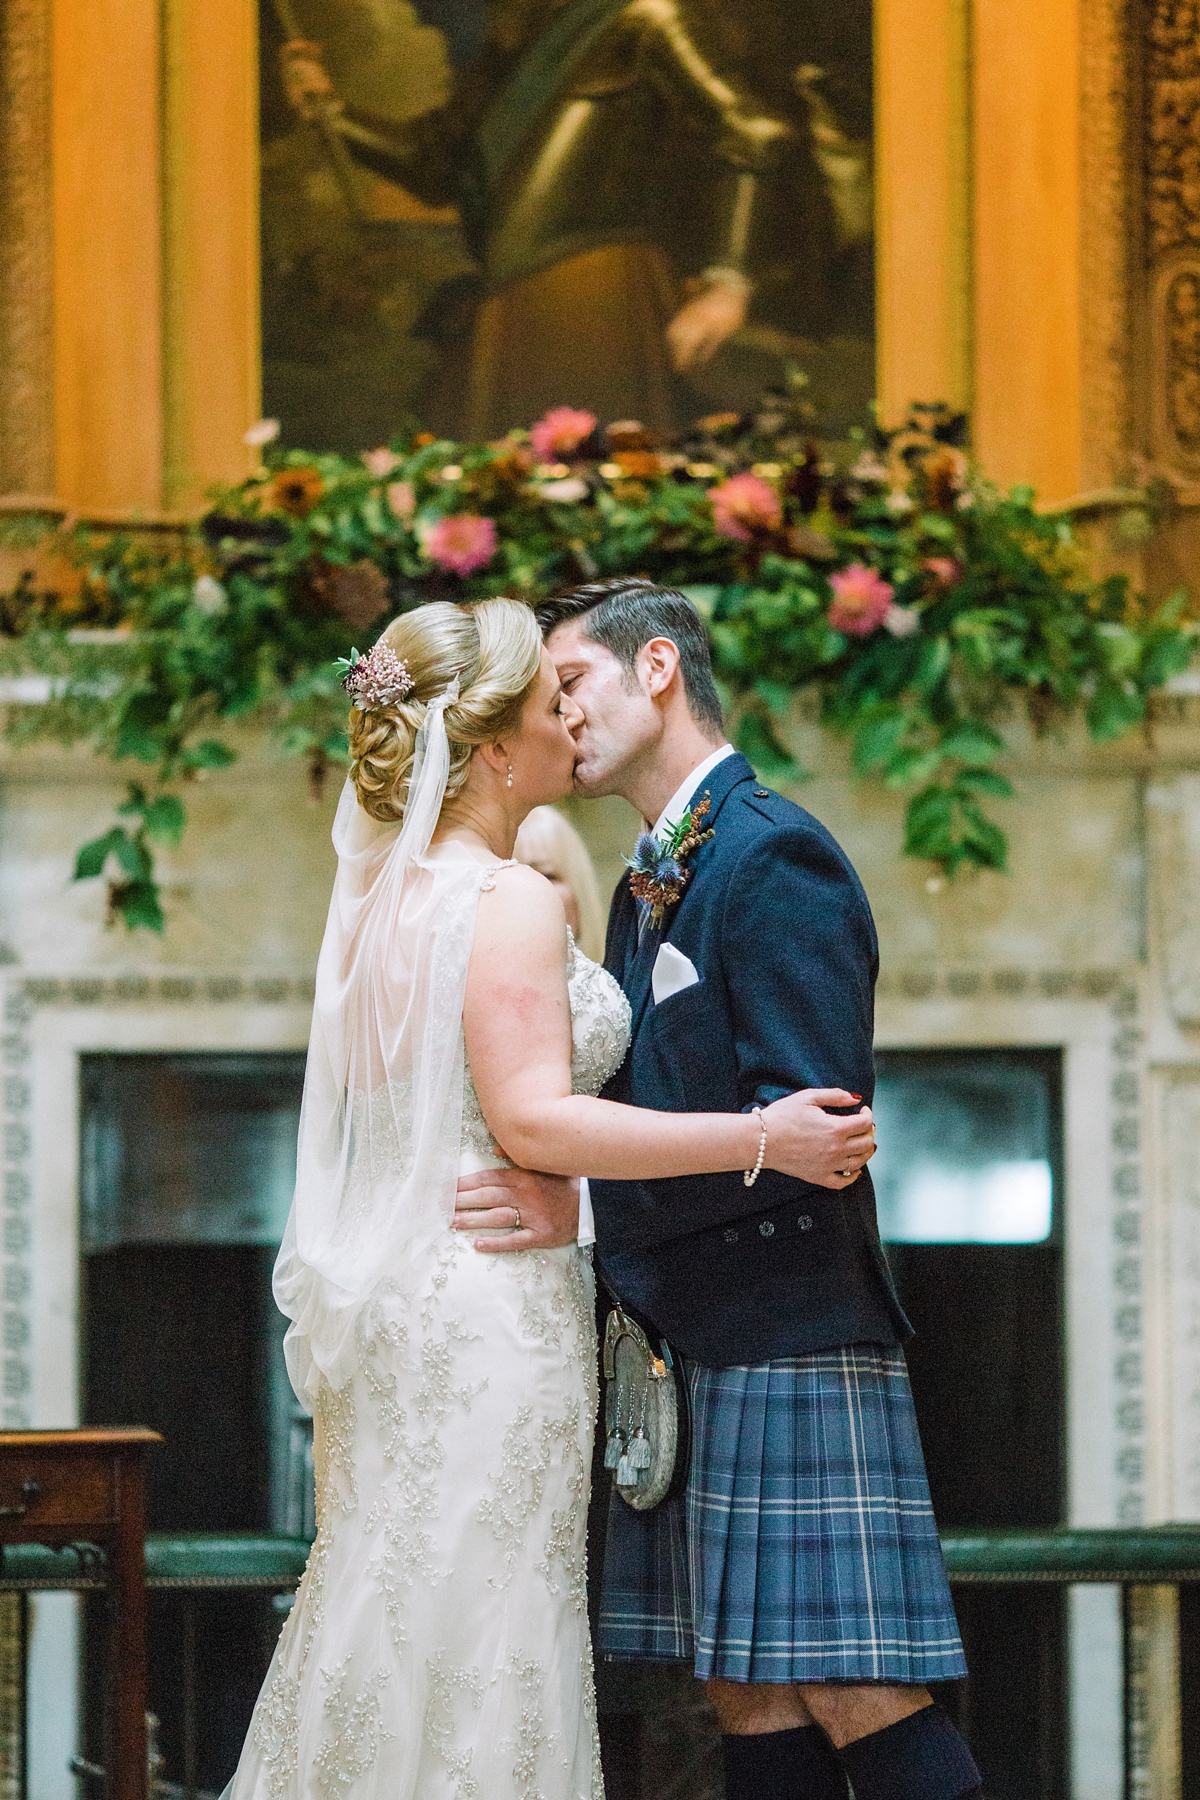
[779, 929]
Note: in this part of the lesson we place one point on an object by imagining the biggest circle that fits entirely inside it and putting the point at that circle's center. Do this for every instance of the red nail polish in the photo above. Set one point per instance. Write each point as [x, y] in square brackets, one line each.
[856, 1096]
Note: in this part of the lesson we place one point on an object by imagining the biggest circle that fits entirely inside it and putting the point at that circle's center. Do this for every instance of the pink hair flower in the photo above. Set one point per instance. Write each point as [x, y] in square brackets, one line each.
[861, 600]
[745, 505]
[380, 678]
[460, 542]
[561, 431]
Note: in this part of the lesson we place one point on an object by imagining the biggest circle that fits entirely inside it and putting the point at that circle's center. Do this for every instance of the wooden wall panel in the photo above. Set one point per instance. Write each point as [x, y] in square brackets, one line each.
[923, 245]
[107, 261]
[211, 292]
[1027, 274]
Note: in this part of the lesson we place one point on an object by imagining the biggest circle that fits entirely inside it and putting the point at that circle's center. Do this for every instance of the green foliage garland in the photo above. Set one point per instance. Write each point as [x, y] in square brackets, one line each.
[922, 605]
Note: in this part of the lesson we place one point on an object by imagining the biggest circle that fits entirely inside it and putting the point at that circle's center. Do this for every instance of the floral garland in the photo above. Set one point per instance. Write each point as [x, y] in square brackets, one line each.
[923, 606]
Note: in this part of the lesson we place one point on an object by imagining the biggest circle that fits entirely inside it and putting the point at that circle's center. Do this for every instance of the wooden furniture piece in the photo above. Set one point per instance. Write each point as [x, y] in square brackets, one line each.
[62, 1488]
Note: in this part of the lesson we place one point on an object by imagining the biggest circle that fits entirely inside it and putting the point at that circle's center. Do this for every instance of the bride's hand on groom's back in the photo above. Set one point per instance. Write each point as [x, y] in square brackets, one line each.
[829, 1149]
[531, 1211]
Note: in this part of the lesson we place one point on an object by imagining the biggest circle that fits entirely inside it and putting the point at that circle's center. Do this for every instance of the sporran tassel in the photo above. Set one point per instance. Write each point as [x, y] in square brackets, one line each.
[614, 1447]
[639, 1450]
[627, 1475]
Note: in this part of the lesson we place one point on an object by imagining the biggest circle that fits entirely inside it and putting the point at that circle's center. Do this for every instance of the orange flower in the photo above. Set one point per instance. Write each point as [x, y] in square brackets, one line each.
[946, 472]
[713, 424]
[630, 434]
[638, 465]
[296, 491]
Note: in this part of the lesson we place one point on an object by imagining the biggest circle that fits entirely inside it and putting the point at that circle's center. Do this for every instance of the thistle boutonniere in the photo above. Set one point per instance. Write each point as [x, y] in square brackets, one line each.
[659, 876]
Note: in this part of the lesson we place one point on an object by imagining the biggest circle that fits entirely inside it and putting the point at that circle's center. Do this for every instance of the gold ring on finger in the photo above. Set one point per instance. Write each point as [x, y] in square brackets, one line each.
[516, 1218]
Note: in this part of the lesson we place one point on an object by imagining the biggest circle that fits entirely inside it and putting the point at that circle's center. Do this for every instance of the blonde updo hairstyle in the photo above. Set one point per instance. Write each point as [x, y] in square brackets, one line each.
[495, 649]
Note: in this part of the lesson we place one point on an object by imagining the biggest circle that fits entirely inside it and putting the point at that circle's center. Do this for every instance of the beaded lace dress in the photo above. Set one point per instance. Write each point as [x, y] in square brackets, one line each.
[438, 1648]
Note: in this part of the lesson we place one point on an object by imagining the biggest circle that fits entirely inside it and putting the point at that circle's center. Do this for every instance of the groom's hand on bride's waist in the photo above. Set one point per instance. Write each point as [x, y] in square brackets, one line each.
[525, 1210]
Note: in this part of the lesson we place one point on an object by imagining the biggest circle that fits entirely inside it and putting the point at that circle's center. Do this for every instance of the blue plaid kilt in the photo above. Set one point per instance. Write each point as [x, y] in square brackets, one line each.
[804, 1546]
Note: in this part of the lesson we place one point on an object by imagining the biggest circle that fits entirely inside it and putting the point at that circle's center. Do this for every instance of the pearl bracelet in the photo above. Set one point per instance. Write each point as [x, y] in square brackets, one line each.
[750, 1176]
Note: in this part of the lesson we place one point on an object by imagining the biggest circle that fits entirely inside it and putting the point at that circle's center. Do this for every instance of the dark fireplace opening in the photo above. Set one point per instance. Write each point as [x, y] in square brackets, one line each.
[187, 1173]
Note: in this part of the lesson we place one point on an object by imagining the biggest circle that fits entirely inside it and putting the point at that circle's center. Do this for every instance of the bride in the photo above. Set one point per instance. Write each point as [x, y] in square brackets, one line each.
[438, 1648]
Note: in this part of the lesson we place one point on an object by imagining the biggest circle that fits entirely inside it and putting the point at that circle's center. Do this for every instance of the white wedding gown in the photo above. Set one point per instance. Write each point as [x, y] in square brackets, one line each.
[438, 1648]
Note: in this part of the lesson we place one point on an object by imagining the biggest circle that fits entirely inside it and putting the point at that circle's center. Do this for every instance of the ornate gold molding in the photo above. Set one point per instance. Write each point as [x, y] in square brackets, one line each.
[1108, 200]
[1173, 124]
[27, 266]
[1171, 136]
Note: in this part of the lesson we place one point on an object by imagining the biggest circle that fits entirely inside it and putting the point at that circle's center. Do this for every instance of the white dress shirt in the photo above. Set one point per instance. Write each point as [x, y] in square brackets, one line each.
[673, 811]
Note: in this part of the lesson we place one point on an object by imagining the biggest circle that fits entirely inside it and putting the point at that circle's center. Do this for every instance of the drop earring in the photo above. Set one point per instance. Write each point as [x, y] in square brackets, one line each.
[510, 775]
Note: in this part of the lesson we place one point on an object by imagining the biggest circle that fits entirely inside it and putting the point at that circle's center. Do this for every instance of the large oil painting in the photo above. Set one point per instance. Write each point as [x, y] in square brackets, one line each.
[474, 210]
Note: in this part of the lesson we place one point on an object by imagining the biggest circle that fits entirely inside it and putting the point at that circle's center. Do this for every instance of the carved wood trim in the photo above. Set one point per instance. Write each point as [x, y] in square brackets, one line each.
[27, 266]
[1109, 201]
[1171, 175]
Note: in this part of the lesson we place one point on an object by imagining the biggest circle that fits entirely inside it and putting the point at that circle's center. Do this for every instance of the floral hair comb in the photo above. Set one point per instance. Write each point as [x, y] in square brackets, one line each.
[378, 679]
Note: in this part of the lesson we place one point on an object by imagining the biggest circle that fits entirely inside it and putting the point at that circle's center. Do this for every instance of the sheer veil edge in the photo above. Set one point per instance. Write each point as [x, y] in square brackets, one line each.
[380, 1123]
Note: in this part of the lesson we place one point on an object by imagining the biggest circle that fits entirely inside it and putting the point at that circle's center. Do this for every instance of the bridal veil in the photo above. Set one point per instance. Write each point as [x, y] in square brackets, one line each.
[380, 1124]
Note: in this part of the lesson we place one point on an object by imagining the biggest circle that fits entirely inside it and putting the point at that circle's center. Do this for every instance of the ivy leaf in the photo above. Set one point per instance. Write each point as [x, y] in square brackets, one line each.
[133, 741]
[777, 695]
[984, 781]
[139, 905]
[134, 803]
[210, 753]
[757, 742]
[164, 819]
[1171, 610]
[927, 823]
[91, 857]
[972, 742]
[935, 660]
[1164, 656]
[877, 741]
[1122, 648]
[912, 764]
[1113, 708]
[133, 856]
[984, 842]
[135, 734]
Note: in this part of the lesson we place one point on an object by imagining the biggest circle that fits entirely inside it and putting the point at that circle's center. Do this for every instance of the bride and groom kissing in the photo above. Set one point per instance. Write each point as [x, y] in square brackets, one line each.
[711, 1083]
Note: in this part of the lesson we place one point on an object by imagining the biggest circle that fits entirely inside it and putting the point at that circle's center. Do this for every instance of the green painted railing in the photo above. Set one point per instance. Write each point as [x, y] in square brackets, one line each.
[1131, 1556]
[1139, 1560]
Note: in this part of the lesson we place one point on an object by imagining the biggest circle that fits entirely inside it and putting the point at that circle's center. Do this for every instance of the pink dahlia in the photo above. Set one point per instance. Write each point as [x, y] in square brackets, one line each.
[560, 431]
[461, 542]
[946, 570]
[745, 505]
[861, 600]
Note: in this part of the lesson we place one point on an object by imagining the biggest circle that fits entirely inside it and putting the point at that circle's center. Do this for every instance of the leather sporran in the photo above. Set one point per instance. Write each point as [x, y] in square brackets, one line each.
[645, 1415]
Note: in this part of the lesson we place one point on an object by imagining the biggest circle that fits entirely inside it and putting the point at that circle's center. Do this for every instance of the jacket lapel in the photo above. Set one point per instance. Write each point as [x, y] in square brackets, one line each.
[622, 928]
[718, 785]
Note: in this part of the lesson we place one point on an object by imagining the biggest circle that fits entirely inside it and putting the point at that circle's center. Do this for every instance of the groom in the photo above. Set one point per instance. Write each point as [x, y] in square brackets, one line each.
[800, 1570]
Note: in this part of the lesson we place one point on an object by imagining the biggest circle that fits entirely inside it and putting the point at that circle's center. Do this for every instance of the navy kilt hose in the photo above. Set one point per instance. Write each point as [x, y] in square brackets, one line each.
[804, 1547]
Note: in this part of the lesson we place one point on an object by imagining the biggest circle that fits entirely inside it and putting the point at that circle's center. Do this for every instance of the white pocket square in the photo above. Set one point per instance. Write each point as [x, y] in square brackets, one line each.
[673, 972]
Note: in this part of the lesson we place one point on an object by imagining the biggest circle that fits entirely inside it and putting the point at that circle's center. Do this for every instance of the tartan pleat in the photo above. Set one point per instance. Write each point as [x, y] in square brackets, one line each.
[811, 1548]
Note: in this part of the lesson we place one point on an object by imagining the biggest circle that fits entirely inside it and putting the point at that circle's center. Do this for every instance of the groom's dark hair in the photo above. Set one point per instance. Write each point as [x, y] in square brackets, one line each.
[626, 613]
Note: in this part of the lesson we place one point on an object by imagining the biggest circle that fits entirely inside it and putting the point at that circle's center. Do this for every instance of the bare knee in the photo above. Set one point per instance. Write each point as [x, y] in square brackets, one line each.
[748, 1708]
[846, 1712]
